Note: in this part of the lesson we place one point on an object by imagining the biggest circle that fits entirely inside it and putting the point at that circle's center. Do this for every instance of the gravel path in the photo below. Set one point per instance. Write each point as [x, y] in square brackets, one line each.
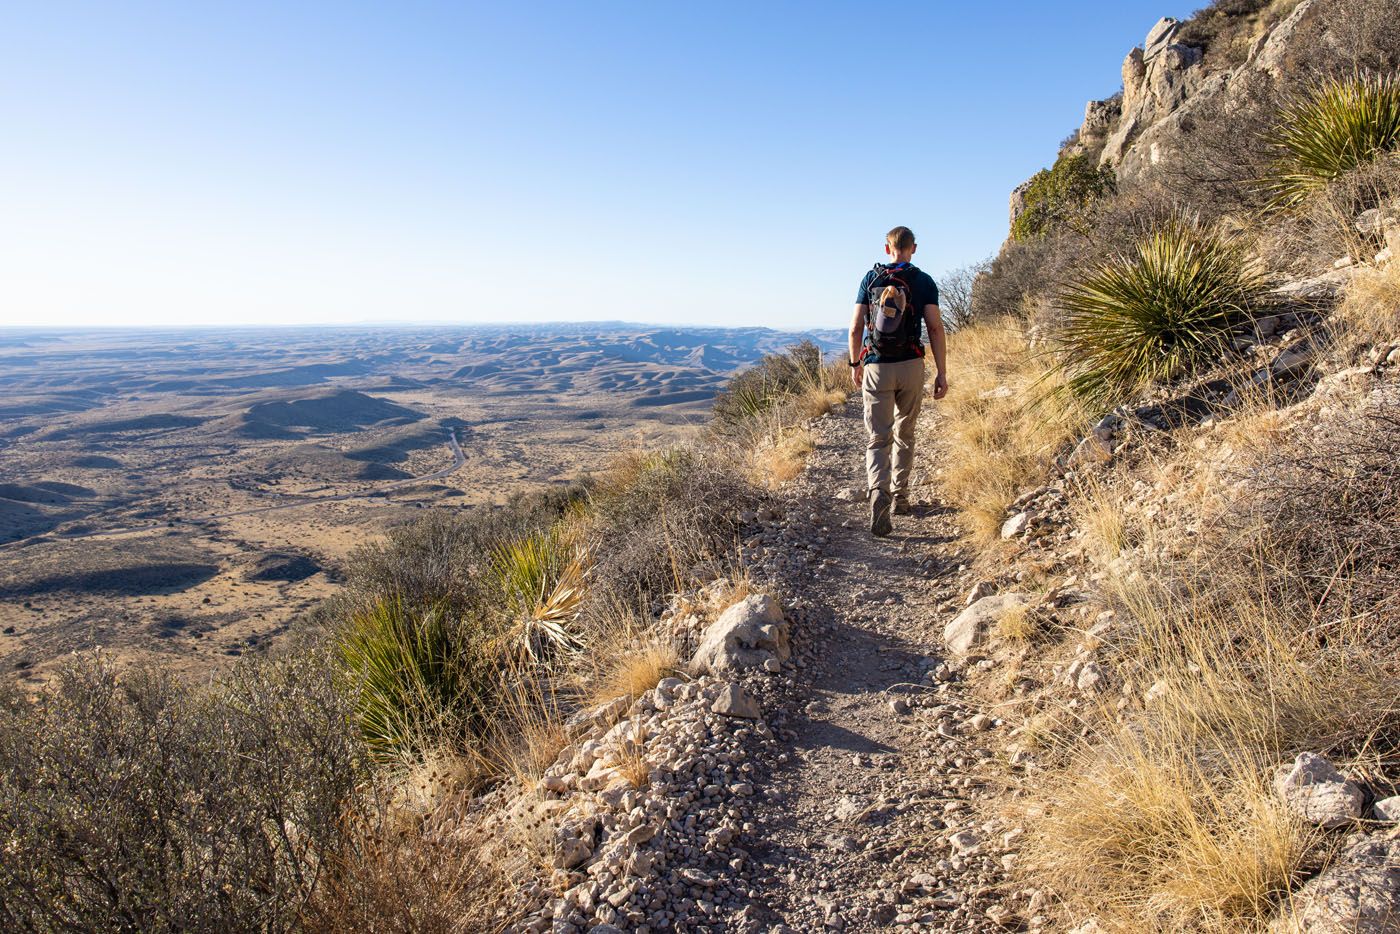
[866, 823]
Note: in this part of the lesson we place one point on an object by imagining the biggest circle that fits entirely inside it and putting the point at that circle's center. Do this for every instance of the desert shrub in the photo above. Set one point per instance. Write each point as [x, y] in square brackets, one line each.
[420, 678]
[1018, 273]
[136, 802]
[1331, 500]
[1342, 37]
[1061, 198]
[384, 880]
[1220, 152]
[439, 558]
[541, 581]
[774, 380]
[955, 293]
[1223, 29]
[1153, 315]
[663, 519]
[1332, 129]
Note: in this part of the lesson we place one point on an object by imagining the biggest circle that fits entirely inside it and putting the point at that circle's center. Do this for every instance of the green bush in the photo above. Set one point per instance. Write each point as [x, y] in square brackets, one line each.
[441, 558]
[1154, 314]
[138, 803]
[773, 380]
[1330, 130]
[1061, 198]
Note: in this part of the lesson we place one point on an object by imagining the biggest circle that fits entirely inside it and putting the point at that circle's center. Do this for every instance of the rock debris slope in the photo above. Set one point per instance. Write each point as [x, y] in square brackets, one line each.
[820, 770]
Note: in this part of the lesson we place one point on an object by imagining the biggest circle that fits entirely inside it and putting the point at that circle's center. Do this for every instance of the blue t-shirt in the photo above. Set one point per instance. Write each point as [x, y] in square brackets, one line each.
[924, 292]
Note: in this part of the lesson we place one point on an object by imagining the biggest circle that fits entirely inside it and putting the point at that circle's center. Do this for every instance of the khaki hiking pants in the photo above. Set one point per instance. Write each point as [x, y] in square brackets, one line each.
[893, 394]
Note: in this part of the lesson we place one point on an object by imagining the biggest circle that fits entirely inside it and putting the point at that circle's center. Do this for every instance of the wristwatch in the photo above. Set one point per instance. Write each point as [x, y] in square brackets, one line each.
[854, 363]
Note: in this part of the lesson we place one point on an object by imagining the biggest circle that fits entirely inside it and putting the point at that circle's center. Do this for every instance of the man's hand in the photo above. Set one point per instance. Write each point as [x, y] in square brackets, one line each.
[940, 386]
[856, 372]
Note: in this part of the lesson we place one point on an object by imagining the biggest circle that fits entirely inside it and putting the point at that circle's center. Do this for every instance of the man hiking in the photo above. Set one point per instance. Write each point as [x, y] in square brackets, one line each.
[894, 303]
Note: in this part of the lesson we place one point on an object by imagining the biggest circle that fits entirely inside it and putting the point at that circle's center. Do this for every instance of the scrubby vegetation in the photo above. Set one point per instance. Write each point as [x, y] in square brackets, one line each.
[1061, 198]
[1333, 129]
[1241, 572]
[323, 790]
[136, 802]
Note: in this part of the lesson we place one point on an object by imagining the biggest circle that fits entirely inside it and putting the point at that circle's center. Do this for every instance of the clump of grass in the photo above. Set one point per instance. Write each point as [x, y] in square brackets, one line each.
[798, 373]
[1017, 624]
[1098, 514]
[1153, 315]
[1331, 129]
[541, 578]
[781, 457]
[1370, 310]
[998, 441]
[630, 663]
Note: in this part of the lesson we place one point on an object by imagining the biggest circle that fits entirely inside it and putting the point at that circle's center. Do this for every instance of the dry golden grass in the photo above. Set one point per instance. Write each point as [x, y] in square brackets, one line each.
[1370, 311]
[782, 456]
[1017, 624]
[630, 668]
[633, 766]
[411, 884]
[1167, 821]
[1003, 429]
[1098, 515]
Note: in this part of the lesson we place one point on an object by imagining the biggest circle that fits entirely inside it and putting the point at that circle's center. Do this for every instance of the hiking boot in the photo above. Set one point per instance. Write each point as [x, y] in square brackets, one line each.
[901, 505]
[880, 523]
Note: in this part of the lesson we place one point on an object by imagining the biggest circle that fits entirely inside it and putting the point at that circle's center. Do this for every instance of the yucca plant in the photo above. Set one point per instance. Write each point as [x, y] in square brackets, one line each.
[419, 676]
[1334, 127]
[1153, 314]
[542, 581]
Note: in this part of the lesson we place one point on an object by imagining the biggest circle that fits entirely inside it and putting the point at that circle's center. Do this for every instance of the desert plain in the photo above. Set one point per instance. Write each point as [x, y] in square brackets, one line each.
[182, 497]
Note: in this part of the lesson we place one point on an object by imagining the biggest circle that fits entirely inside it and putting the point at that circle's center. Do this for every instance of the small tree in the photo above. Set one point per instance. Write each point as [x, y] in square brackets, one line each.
[955, 293]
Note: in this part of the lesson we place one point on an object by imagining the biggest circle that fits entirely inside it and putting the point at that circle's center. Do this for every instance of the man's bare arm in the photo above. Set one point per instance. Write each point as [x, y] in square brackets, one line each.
[933, 318]
[857, 336]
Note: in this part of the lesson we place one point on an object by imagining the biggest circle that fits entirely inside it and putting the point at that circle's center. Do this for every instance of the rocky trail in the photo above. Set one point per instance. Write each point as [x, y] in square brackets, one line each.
[867, 822]
[821, 768]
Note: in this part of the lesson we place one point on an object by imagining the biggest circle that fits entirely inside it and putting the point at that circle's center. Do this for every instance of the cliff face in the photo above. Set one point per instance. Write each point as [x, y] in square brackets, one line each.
[1166, 81]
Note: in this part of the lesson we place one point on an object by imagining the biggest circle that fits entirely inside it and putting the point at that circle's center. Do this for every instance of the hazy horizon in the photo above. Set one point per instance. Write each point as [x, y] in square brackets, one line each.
[726, 165]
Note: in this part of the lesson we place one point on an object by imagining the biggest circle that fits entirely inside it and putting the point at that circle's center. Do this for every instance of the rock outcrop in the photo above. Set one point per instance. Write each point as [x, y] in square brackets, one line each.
[748, 634]
[1166, 82]
[1318, 793]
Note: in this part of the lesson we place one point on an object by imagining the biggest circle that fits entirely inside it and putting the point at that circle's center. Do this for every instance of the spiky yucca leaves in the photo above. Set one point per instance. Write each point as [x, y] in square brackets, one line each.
[542, 581]
[1330, 130]
[419, 676]
[1153, 314]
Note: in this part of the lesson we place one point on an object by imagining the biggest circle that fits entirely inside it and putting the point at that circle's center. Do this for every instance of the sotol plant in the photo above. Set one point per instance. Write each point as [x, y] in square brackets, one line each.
[419, 675]
[1155, 313]
[1331, 129]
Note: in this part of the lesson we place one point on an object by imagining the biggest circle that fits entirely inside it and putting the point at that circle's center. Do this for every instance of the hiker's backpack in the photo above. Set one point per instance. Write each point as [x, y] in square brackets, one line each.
[892, 318]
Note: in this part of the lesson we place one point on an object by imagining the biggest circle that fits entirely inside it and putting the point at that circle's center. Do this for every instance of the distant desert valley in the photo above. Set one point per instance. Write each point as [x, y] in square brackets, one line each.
[180, 497]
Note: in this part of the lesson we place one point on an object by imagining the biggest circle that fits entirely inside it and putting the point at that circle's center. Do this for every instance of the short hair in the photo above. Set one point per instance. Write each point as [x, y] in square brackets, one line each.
[901, 238]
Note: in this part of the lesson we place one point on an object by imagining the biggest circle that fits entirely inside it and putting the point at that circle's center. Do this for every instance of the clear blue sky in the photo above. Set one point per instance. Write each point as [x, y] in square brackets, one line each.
[715, 162]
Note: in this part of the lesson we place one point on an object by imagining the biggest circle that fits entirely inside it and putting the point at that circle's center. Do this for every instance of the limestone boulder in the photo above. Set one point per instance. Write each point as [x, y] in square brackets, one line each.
[970, 628]
[1318, 793]
[746, 635]
[1358, 894]
[734, 701]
